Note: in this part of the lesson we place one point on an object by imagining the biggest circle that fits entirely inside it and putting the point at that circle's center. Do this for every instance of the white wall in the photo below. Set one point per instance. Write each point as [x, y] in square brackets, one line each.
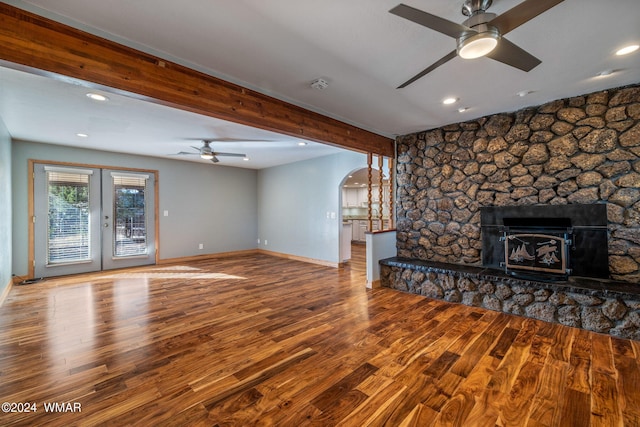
[210, 204]
[293, 201]
[5, 208]
[379, 246]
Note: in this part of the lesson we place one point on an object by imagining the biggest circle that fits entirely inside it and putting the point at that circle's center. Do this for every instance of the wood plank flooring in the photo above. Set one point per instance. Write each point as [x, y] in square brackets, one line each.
[259, 340]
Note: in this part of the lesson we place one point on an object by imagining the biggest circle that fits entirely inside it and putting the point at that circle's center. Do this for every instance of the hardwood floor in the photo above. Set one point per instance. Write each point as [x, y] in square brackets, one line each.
[267, 341]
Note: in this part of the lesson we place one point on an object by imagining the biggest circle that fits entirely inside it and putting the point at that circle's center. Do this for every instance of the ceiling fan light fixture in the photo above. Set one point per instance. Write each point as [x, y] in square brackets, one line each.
[479, 44]
[206, 152]
[605, 73]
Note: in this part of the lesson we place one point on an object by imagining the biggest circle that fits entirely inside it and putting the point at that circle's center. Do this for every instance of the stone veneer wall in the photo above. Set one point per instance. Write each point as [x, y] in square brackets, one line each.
[584, 149]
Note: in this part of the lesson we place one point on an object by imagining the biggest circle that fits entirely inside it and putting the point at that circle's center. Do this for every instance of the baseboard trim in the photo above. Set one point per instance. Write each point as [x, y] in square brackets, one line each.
[374, 285]
[300, 258]
[5, 292]
[207, 257]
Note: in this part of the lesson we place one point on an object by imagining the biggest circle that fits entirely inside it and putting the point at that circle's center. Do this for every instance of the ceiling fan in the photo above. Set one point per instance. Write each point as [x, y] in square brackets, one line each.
[481, 34]
[206, 152]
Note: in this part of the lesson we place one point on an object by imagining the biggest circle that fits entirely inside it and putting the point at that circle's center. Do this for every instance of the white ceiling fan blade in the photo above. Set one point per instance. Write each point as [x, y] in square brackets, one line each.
[217, 153]
[184, 153]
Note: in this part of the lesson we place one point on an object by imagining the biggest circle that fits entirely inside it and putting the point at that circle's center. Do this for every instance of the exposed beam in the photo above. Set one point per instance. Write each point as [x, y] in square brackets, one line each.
[39, 45]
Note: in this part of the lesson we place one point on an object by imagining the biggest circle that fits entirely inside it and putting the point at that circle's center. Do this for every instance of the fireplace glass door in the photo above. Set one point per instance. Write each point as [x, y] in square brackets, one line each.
[535, 252]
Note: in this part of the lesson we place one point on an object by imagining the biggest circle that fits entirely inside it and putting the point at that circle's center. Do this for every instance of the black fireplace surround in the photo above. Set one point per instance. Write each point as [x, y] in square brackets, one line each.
[546, 242]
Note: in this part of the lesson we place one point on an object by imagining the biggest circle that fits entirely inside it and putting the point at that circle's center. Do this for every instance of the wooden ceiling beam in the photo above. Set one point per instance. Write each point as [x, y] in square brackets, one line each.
[39, 45]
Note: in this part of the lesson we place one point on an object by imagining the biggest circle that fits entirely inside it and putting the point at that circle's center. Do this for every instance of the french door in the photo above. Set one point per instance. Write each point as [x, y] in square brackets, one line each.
[91, 219]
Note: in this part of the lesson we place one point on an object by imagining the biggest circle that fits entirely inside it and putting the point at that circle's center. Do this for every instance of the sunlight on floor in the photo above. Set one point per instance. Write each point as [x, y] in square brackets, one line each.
[178, 271]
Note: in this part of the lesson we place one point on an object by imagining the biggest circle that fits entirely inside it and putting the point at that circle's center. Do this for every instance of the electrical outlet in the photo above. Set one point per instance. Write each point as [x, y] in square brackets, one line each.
[166, 213]
[258, 241]
[201, 246]
[265, 242]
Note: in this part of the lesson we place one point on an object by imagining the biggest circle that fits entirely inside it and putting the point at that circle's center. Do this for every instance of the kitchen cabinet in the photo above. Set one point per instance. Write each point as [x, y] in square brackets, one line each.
[355, 197]
[375, 195]
[350, 198]
[355, 230]
[347, 236]
[360, 227]
[363, 197]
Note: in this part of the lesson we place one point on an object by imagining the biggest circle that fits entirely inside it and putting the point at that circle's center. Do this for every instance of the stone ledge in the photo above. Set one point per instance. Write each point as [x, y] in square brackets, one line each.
[604, 306]
[601, 287]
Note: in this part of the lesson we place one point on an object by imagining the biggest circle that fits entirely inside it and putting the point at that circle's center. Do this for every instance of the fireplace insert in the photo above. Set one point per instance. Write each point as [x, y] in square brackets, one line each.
[546, 242]
[537, 246]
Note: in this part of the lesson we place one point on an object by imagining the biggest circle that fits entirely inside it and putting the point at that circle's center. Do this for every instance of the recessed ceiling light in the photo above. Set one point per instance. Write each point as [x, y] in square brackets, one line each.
[627, 49]
[246, 159]
[97, 97]
[524, 93]
[462, 109]
[448, 101]
[82, 135]
[302, 143]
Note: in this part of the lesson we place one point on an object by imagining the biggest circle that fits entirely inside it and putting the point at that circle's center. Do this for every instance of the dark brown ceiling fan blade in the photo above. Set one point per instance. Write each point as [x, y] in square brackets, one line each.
[510, 54]
[448, 57]
[428, 20]
[518, 15]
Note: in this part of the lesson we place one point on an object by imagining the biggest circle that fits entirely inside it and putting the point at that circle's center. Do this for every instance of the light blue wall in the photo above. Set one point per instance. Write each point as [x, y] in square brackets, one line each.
[210, 204]
[226, 209]
[5, 207]
[293, 201]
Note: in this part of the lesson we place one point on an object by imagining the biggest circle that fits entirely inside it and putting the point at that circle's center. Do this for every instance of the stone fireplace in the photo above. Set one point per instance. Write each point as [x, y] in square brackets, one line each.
[579, 151]
[576, 152]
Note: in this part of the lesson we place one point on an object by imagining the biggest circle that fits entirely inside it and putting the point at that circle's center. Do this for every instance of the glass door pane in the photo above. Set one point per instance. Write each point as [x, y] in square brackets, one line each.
[128, 237]
[66, 220]
[130, 231]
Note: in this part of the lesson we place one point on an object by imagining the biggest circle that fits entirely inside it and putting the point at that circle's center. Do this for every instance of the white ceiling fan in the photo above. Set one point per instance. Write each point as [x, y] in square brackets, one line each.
[207, 152]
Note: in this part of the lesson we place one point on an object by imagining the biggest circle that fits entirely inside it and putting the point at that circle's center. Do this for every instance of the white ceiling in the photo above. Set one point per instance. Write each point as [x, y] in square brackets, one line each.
[36, 108]
[279, 47]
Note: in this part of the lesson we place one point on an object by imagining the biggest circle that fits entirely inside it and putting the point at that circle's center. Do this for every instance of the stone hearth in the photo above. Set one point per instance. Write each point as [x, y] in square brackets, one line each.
[597, 305]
